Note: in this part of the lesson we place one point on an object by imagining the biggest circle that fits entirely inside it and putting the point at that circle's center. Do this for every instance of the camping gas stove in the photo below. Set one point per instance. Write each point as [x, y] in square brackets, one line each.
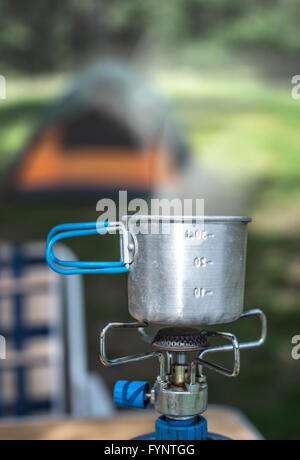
[185, 279]
[180, 390]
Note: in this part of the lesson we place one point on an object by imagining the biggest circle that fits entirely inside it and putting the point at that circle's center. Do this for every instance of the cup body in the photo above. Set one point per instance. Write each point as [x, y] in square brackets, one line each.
[192, 275]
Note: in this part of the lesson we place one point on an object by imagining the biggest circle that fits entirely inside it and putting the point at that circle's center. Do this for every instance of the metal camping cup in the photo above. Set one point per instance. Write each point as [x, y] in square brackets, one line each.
[192, 275]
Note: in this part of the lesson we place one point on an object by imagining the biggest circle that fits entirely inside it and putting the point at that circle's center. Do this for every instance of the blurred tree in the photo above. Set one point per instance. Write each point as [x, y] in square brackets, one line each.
[46, 35]
[273, 25]
[41, 36]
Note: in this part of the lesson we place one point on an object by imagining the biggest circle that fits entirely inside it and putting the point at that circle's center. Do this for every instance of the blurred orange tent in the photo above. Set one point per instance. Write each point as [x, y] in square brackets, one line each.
[109, 132]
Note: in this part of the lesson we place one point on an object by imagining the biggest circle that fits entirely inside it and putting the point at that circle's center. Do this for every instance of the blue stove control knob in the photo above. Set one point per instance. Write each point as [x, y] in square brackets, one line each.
[132, 394]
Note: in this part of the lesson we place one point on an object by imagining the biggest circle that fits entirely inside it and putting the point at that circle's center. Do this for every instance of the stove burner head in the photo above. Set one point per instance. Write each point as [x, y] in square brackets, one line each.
[180, 339]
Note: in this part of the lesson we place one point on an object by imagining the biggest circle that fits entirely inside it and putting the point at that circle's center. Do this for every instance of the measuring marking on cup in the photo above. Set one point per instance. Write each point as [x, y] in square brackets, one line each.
[202, 262]
[201, 292]
[172, 278]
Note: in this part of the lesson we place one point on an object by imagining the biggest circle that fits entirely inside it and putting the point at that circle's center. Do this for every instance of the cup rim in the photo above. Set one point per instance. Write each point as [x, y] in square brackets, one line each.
[183, 219]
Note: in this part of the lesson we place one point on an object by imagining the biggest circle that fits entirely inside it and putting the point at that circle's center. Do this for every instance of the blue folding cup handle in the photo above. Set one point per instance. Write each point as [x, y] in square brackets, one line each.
[128, 248]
